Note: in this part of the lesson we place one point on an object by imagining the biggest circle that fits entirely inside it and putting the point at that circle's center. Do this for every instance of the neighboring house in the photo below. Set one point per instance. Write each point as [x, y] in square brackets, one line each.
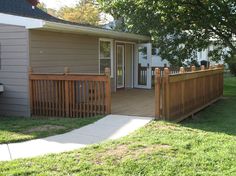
[31, 37]
[203, 56]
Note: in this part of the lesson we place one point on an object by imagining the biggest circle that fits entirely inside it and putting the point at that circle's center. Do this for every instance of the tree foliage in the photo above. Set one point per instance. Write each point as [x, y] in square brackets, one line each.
[180, 28]
[86, 11]
[42, 6]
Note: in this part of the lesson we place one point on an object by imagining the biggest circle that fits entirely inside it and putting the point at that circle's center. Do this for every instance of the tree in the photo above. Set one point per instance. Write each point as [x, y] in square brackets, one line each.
[42, 6]
[180, 28]
[85, 11]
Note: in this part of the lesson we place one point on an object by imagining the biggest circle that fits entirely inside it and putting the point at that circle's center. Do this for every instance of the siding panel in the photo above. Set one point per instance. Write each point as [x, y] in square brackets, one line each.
[14, 71]
[51, 52]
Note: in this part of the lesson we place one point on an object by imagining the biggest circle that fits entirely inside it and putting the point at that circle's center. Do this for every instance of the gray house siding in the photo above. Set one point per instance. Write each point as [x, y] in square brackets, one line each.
[52, 51]
[14, 71]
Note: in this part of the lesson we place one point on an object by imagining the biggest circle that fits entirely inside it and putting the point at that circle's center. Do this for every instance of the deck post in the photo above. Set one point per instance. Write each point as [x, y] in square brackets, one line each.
[202, 67]
[193, 69]
[182, 71]
[66, 93]
[166, 88]
[157, 93]
[108, 90]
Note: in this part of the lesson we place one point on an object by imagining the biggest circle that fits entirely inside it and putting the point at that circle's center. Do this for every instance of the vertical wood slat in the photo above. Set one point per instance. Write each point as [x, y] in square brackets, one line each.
[187, 93]
[99, 97]
[108, 91]
[182, 71]
[166, 93]
[68, 96]
[157, 93]
[80, 98]
[67, 91]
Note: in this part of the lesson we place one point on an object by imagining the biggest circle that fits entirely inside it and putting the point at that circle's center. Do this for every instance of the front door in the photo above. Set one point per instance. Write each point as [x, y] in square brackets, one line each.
[143, 70]
[120, 64]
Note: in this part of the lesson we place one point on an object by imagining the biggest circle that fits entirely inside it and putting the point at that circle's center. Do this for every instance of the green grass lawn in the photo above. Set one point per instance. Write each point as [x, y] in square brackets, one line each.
[15, 129]
[205, 145]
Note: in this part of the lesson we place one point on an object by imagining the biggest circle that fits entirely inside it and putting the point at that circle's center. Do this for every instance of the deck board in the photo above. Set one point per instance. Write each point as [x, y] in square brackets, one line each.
[134, 102]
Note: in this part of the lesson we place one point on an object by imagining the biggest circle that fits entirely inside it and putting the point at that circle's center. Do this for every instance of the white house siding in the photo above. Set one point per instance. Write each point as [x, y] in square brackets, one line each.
[14, 71]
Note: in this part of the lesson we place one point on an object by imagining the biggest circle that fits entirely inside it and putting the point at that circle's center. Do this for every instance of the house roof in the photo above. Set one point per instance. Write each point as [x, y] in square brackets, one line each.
[22, 8]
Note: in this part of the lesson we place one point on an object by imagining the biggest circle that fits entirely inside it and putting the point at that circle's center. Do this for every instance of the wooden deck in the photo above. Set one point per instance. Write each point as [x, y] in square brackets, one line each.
[134, 102]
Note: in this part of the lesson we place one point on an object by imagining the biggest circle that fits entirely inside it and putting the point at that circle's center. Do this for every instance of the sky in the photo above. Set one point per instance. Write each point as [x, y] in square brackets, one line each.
[56, 4]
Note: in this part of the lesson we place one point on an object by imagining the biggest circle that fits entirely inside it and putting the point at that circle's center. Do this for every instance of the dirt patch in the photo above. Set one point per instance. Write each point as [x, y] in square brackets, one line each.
[149, 150]
[119, 151]
[122, 151]
[166, 127]
[45, 128]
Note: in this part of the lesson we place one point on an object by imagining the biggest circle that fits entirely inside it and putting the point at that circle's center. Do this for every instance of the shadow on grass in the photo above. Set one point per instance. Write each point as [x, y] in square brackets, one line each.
[17, 129]
[220, 117]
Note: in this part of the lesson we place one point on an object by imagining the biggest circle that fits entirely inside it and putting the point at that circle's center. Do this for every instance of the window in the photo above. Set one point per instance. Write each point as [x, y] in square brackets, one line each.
[105, 55]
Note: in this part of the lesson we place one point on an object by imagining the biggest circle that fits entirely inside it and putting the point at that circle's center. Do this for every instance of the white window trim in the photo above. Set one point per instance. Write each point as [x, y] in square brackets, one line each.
[112, 55]
[123, 66]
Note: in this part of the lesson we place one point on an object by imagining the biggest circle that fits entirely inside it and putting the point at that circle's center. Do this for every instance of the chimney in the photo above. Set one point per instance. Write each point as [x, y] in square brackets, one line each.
[34, 3]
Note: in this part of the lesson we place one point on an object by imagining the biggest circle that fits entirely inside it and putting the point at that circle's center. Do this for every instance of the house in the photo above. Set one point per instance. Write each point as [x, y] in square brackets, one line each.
[31, 37]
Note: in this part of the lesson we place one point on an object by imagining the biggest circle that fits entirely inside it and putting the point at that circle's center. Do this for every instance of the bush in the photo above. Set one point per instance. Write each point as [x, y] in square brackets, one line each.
[232, 65]
[232, 68]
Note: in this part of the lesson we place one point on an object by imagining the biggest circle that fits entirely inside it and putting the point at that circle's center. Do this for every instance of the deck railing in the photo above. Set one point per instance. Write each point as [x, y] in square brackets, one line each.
[69, 94]
[178, 96]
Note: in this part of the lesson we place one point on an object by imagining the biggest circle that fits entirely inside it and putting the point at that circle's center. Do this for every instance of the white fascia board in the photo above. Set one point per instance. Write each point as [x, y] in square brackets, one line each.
[93, 31]
[32, 23]
[28, 23]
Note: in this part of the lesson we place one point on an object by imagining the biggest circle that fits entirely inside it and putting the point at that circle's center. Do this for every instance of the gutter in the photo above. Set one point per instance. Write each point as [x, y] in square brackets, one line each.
[33, 23]
[93, 31]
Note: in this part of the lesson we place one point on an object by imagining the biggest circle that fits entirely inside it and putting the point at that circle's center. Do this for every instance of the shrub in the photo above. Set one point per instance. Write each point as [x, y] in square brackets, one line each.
[232, 65]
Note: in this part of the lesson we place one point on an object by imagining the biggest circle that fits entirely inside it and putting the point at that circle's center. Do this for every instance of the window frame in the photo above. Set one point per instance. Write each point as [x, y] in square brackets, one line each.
[111, 52]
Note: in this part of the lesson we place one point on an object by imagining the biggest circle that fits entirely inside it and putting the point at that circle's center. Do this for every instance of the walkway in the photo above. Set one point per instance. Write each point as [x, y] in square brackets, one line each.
[110, 127]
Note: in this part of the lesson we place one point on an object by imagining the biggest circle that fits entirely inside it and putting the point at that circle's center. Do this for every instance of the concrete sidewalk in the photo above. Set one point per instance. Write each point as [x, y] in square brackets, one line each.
[110, 127]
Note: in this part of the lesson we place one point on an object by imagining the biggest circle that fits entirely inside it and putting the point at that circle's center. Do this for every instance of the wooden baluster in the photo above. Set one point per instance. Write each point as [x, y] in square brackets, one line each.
[99, 98]
[182, 71]
[193, 69]
[157, 93]
[166, 103]
[95, 98]
[80, 99]
[66, 92]
[204, 85]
